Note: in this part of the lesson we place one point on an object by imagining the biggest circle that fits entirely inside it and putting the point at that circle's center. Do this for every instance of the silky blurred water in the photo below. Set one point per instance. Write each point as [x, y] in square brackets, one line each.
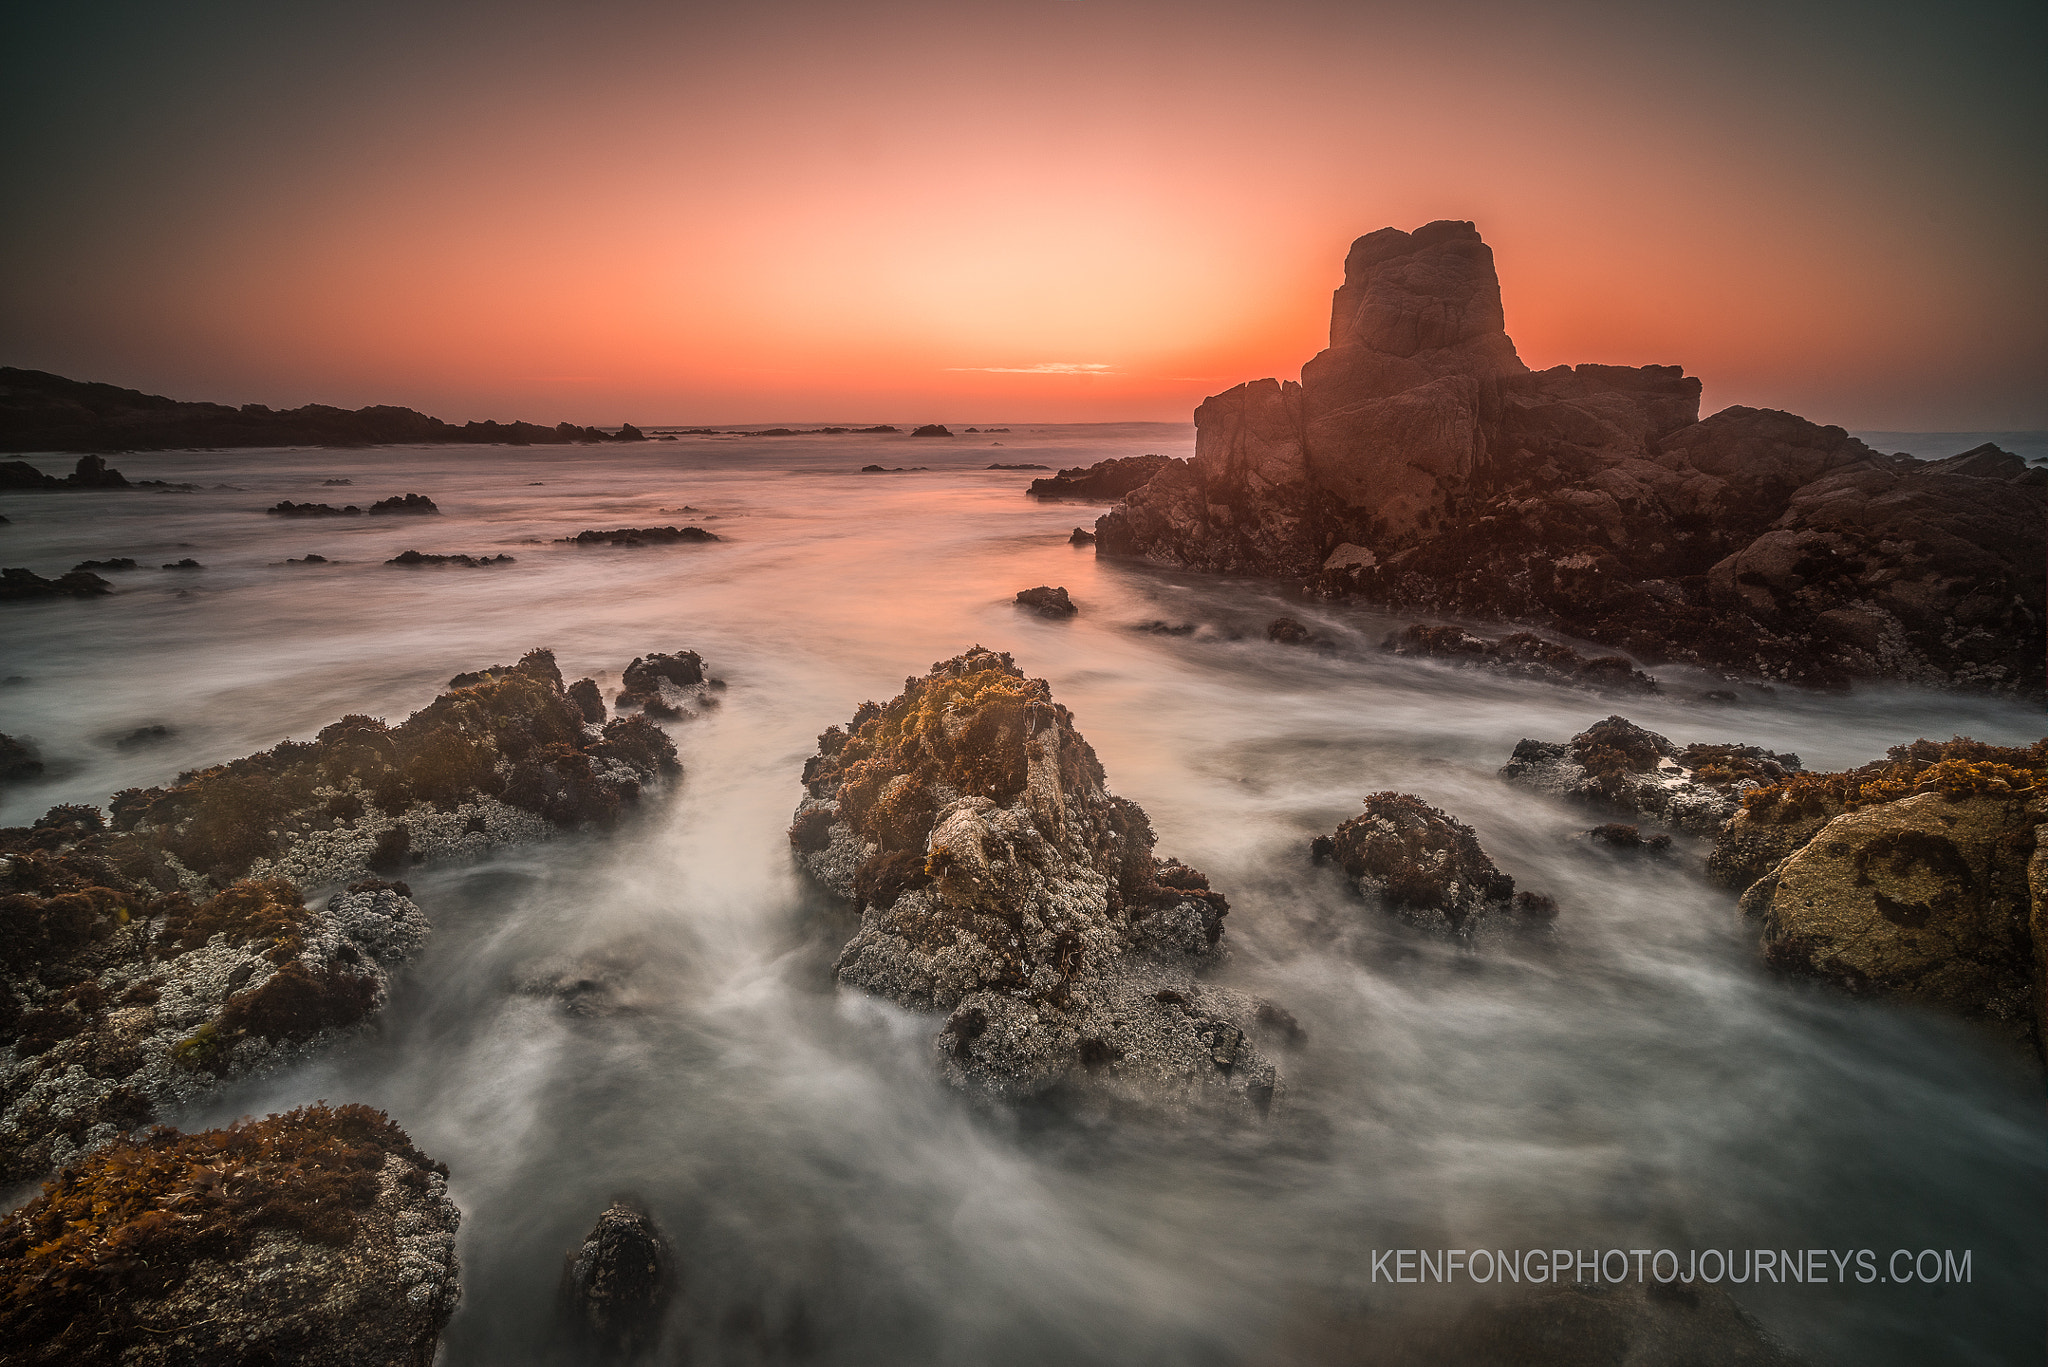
[1634, 1081]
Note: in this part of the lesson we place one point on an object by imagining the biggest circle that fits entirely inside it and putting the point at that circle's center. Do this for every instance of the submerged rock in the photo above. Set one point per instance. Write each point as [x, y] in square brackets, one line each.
[1047, 602]
[1287, 631]
[619, 1283]
[641, 536]
[19, 760]
[468, 562]
[1618, 766]
[1523, 654]
[287, 508]
[998, 880]
[1422, 865]
[319, 1237]
[1920, 876]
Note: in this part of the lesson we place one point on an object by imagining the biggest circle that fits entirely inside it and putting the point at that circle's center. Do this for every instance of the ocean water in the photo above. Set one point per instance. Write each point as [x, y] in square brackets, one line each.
[1636, 1080]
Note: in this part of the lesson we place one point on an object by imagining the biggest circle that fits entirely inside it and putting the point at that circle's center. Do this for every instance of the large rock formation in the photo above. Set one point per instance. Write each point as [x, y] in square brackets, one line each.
[1918, 876]
[320, 1237]
[1424, 866]
[1419, 463]
[617, 1284]
[998, 880]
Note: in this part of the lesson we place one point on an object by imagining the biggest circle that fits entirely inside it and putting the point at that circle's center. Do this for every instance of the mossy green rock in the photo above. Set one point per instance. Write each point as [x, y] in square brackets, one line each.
[1926, 897]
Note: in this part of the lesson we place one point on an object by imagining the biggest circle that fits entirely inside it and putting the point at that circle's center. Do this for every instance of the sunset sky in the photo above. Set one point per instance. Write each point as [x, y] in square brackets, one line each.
[990, 210]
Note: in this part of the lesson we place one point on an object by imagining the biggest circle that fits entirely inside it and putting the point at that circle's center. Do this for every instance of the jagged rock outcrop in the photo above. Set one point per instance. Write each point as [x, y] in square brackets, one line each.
[1424, 866]
[1615, 765]
[640, 536]
[320, 1237]
[414, 559]
[1420, 464]
[404, 505]
[618, 1283]
[666, 685]
[1918, 876]
[1523, 654]
[998, 880]
[1103, 481]
[44, 412]
[91, 472]
[19, 584]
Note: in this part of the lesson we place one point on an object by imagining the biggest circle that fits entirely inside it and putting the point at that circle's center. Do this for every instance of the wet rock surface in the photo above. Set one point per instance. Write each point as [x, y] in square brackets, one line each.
[618, 1284]
[1918, 876]
[998, 880]
[409, 505]
[1423, 865]
[411, 559]
[1420, 464]
[1047, 602]
[1615, 765]
[321, 1237]
[1522, 654]
[1105, 480]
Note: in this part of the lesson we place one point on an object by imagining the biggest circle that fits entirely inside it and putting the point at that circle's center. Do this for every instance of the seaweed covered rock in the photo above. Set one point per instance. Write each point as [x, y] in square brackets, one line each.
[494, 761]
[664, 685]
[998, 880]
[1918, 876]
[117, 1001]
[1419, 863]
[1522, 654]
[618, 1283]
[319, 1237]
[1616, 765]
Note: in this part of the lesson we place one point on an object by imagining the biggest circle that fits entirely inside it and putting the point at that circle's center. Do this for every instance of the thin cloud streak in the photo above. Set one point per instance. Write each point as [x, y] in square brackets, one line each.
[1042, 368]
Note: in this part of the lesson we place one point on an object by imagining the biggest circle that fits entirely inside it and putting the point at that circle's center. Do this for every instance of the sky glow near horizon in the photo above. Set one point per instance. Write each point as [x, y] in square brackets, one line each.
[671, 213]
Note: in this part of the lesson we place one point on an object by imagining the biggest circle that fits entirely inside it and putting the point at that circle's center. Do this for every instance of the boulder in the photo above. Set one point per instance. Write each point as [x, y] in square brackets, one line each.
[931, 429]
[1918, 876]
[1287, 631]
[320, 1237]
[618, 1284]
[1047, 602]
[1081, 537]
[1419, 863]
[1418, 463]
[1617, 766]
[999, 881]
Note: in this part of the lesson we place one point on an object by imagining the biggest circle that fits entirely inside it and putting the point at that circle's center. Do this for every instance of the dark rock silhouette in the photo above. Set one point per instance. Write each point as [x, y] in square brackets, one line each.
[1418, 463]
[931, 429]
[121, 563]
[1047, 602]
[19, 584]
[1104, 480]
[660, 685]
[1289, 632]
[641, 536]
[628, 432]
[618, 1284]
[18, 760]
[188, 563]
[91, 472]
[417, 558]
[1081, 537]
[1016, 467]
[404, 504]
[589, 701]
[44, 412]
[287, 508]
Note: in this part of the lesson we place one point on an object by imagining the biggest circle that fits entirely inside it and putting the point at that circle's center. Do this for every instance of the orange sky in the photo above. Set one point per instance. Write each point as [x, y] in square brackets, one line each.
[1052, 210]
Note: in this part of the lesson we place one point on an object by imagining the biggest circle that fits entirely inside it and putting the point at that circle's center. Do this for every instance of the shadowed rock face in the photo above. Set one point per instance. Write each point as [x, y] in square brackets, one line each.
[1419, 463]
[320, 1237]
[999, 880]
[1617, 766]
[1419, 863]
[619, 1282]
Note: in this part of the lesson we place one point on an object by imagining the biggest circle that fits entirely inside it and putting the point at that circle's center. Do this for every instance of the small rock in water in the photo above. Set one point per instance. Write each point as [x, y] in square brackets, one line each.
[1047, 602]
[1081, 537]
[619, 1283]
[1288, 632]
